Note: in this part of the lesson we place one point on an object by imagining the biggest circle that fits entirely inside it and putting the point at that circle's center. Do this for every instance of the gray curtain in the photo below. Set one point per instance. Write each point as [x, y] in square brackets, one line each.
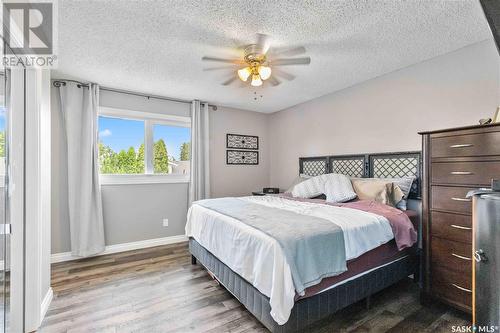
[79, 113]
[199, 186]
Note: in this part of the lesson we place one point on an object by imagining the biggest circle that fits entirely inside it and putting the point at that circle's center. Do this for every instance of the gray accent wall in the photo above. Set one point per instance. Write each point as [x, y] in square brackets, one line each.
[136, 212]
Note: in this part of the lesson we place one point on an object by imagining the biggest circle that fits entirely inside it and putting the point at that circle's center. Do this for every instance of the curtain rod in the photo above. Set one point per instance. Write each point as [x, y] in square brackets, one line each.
[62, 82]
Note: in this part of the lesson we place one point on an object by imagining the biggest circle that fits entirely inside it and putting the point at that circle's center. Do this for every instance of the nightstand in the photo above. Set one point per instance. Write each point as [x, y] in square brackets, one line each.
[261, 193]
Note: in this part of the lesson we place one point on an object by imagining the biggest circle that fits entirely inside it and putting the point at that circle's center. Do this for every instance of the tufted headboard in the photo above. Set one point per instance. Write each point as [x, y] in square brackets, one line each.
[379, 165]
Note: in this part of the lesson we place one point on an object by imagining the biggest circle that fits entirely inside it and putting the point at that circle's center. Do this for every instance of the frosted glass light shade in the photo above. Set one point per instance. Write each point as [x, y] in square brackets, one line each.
[256, 81]
[264, 72]
[244, 73]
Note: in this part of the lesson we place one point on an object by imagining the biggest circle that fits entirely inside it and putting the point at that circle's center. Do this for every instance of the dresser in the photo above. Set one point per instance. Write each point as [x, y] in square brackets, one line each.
[454, 161]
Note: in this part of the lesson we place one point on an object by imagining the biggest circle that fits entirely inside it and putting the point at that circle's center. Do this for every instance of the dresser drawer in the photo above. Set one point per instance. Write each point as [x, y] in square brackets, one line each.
[452, 286]
[451, 199]
[480, 144]
[453, 256]
[467, 173]
[450, 226]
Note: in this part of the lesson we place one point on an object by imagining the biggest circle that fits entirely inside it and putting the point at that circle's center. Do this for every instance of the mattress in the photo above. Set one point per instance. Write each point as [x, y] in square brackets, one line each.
[382, 255]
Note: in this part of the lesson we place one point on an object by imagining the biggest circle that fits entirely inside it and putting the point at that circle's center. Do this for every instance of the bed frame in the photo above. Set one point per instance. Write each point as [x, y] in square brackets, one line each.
[309, 310]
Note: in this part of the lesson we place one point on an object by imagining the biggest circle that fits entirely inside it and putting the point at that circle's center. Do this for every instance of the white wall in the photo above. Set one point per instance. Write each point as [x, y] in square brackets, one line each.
[384, 114]
[237, 180]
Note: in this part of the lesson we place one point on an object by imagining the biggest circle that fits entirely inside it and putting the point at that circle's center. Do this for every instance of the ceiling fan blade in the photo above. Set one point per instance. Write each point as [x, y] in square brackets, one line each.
[208, 69]
[263, 42]
[291, 61]
[229, 81]
[241, 84]
[283, 74]
[231, 61]
[273, 81]
[289, 52]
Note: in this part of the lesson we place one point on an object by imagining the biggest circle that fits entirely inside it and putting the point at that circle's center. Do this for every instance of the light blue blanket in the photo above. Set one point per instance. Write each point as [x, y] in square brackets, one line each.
[313, 247]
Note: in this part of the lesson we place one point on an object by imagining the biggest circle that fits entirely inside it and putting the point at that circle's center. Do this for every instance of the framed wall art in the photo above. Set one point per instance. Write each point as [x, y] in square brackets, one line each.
[240, 141]
[242, 157]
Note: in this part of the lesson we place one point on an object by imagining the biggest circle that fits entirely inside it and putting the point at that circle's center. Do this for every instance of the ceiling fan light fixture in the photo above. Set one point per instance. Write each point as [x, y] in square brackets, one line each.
[256, 80]
[255, 65]
[264, 72]
[244, 73]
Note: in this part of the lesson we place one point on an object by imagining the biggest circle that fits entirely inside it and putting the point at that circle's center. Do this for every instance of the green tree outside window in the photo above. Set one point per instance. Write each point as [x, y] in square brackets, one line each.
[185, 151]
[132, 162]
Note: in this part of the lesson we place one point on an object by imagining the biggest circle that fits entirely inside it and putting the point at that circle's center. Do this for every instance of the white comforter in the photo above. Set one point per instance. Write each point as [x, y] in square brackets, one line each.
[259, 259]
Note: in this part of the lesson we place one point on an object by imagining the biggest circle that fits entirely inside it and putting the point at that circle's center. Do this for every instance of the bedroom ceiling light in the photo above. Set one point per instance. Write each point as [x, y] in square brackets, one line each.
[264, 72]
[257, 71]
[257, 63]
[244, 73]
[256, 80]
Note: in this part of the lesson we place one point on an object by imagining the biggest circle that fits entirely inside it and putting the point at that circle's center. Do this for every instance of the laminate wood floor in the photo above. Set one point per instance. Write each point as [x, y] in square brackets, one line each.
[158, 290]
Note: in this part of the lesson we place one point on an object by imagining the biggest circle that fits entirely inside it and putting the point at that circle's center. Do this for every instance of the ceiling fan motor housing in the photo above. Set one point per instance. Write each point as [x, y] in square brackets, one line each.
[254, 55]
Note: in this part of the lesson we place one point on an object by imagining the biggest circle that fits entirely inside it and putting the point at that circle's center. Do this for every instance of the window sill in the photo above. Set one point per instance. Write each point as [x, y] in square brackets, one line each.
[142, 179]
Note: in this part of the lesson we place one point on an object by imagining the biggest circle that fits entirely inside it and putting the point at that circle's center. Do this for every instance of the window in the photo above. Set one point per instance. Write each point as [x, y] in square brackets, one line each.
[171, 149]
[121, 146]
[138, 147]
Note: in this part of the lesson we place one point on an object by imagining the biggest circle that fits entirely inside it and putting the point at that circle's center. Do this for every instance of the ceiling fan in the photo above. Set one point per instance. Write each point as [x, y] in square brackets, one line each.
[260, 63]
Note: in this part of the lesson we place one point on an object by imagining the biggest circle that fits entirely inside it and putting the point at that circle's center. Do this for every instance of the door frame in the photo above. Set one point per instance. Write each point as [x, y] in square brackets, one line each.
[16, 197]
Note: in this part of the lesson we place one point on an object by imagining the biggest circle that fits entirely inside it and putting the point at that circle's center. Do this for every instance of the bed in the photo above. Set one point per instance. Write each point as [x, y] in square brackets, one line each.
[259, 273]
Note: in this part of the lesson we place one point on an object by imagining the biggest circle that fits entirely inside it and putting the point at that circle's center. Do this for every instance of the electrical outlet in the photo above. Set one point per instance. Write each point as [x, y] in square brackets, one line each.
[165, 222]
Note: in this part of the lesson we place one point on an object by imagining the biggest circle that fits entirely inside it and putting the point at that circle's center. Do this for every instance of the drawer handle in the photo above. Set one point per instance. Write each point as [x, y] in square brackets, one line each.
[461, 257]
[463, 145]
[461, 288]
[461, 173]
[461, 199]
[460, 227]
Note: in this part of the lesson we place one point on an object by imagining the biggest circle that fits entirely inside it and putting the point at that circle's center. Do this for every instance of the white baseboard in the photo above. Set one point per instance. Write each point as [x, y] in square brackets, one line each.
[66, 256]
[44, 307]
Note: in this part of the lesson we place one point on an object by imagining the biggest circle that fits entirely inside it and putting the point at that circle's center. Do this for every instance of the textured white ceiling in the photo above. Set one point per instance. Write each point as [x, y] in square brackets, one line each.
[156, 46]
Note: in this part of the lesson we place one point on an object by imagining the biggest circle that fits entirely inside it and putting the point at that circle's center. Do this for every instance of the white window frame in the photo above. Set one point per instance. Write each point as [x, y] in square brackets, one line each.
[150, 119]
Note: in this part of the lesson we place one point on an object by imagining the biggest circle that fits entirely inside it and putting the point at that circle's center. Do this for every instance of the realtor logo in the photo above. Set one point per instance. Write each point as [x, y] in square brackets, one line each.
[29, 32]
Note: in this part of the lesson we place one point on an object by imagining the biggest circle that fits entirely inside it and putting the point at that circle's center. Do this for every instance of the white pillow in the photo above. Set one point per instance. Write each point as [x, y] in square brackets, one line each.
[310, 188]
[338, 188]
